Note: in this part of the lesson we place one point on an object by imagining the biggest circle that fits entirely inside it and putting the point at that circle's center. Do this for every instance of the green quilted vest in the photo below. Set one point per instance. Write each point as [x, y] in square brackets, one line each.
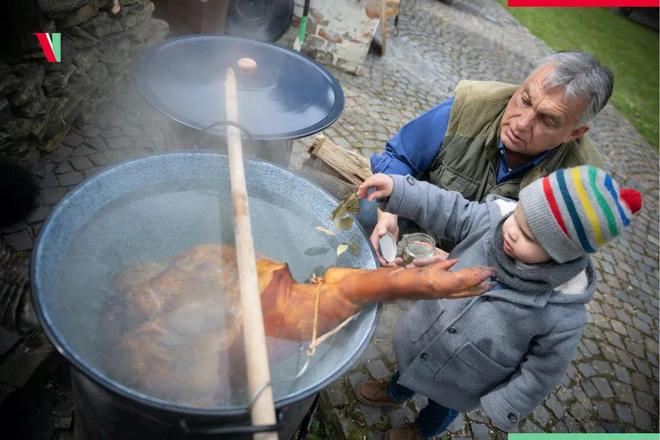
[468, 159]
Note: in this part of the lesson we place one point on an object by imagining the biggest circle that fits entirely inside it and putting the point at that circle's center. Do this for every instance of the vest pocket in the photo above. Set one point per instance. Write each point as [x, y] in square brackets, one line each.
[454, 181]
[472, 370]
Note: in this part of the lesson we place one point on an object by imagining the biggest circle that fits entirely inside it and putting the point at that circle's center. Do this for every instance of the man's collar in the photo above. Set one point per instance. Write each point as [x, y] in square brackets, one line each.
[535, 161]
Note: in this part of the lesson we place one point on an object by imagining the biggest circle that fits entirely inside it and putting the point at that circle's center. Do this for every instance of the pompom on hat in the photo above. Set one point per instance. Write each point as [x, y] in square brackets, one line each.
[577, 210]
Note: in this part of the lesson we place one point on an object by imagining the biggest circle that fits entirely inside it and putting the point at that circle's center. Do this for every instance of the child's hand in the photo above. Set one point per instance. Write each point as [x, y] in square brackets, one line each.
[382, 184]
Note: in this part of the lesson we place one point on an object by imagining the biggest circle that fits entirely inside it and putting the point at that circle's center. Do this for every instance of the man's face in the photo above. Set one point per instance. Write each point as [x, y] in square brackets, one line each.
[519, 242]
[537, 120]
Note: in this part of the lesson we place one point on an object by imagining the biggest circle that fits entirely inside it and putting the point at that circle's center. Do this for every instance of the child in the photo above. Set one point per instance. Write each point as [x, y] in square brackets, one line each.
[507, 349]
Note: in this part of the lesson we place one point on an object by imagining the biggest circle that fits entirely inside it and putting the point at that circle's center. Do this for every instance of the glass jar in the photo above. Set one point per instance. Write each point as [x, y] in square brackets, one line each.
[417, 245]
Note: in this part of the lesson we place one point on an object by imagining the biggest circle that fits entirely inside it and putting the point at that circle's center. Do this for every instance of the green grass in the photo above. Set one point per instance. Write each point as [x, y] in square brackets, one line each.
[628, 49]
[321, 429]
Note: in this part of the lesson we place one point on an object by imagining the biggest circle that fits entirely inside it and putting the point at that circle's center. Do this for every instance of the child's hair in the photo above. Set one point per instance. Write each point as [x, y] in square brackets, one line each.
[577, 210]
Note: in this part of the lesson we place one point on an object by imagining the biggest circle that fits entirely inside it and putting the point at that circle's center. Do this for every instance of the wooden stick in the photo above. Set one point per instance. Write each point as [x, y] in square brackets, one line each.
[383, 25]
[254, 337]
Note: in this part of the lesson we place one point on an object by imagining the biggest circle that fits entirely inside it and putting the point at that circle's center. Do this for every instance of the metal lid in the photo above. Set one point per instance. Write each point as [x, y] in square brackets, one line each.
[289, 96]
[263, 20]
[388, 247]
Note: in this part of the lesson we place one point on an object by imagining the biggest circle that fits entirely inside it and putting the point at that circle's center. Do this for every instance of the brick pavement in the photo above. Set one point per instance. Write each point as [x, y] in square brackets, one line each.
[612, 384]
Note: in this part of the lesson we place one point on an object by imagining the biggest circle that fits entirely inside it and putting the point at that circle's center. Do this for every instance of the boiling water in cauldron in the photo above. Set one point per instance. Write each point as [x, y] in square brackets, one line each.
[155, 224]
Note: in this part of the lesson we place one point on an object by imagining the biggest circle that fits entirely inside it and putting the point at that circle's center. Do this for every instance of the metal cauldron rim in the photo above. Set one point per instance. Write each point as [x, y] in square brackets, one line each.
[130, 394]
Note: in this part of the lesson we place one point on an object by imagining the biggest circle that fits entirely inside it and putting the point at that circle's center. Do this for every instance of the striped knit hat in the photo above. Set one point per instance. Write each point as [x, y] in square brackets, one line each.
[577, 210]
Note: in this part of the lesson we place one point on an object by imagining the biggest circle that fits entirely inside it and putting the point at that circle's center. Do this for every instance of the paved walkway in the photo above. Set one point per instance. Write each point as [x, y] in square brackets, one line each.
[612, 384]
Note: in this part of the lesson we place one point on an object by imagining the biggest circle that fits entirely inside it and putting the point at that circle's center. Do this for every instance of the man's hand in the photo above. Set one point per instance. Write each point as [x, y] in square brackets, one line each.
[382, 185]
[386, 223]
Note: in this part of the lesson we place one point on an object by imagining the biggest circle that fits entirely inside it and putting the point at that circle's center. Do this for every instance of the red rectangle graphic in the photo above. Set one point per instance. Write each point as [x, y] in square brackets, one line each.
[583, 3]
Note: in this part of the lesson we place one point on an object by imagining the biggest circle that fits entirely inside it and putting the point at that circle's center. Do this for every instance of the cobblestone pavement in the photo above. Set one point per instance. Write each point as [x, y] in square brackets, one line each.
[612, 384]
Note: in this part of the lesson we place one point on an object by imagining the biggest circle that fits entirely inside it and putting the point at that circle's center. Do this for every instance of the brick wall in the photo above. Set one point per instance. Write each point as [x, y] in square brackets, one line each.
[339, 32]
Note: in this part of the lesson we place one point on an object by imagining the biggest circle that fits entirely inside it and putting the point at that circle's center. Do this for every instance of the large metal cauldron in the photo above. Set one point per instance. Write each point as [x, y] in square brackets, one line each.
[149, 209]
[289, 96]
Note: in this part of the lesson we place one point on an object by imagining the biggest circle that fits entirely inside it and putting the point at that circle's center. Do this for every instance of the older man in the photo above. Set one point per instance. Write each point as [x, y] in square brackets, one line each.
[495, 138]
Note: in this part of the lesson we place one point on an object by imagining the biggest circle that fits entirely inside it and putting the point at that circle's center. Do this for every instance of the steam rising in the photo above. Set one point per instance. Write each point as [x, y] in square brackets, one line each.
[154, 224]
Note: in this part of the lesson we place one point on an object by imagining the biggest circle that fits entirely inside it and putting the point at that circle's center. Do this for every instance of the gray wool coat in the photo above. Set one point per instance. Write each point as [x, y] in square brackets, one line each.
[505, 350]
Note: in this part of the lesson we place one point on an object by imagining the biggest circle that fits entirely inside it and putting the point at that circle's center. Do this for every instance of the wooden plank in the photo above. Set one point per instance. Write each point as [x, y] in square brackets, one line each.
[331, 183]
[193, 16]
[383, 26]
[214, 16]
[353, 167]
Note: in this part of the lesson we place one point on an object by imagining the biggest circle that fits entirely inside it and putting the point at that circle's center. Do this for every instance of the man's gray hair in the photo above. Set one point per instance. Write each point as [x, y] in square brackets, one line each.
[581, 75]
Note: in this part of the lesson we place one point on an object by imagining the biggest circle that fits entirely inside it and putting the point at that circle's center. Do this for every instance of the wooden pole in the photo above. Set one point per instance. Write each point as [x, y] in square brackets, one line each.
[254, 337]
[383, 25]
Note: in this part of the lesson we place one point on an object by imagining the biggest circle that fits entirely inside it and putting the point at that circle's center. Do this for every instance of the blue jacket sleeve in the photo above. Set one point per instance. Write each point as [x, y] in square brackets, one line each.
[414, 148]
